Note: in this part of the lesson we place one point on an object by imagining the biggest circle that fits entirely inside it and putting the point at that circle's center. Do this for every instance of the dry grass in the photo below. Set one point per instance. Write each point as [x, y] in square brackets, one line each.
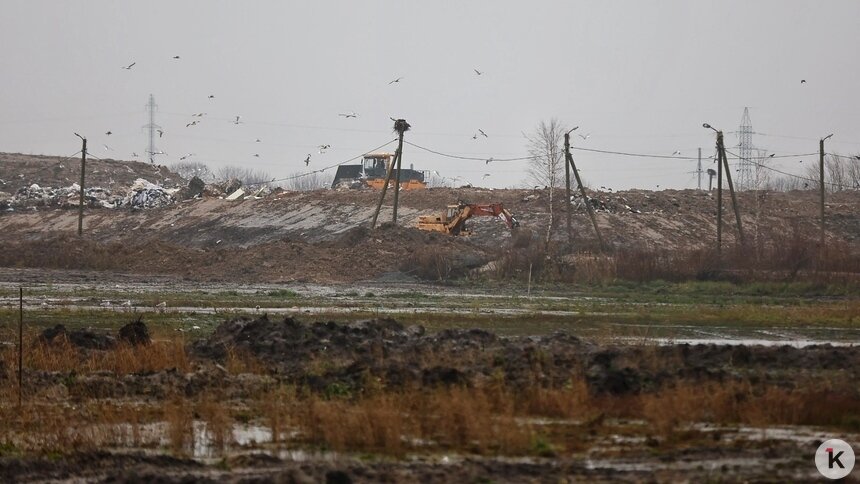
[124, 359]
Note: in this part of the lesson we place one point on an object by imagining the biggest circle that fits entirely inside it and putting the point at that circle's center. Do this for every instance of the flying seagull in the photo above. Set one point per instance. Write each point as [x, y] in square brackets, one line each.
[176, 57]
[128, 67]
[107, 148]
[198, 115]
[803, 81]
[211, 96]
[475, 136]
[349, 115]
[236, 121]
[308, 160]
[772, 155]
[483, 133]
[585, 137]
[257, 140]
[676, 152]
[488, 161]
[192, 123]
[133, 154]
[186, 156]
[396, 80]
[485, 175]
[256, 155]
[477, 72]
[160, 132]
[109, 133]
[323, 148]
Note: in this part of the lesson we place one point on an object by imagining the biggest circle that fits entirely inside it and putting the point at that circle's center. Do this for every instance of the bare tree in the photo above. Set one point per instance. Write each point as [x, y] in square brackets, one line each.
[546, 167]
[248, 176]
[837, 173]
[190, 169]
[307, 181]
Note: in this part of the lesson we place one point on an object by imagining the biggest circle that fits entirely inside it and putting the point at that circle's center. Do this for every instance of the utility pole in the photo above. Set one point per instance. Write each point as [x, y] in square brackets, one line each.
[20, 344]
[401, 126]
[821, 179]
[83, 174]
[567, 186]
[719, 193]
[699, 169]
[731, 189]
[588, 207]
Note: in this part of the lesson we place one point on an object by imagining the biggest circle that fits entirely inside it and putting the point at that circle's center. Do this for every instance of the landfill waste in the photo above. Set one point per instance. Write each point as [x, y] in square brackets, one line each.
[144, 194]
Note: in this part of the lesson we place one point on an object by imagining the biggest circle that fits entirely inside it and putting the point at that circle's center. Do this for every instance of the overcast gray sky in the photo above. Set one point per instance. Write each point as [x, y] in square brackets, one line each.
[638, 76]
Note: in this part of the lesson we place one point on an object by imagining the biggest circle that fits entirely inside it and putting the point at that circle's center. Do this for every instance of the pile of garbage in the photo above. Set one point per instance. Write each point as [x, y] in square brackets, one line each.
[142, 194]
[38, 196]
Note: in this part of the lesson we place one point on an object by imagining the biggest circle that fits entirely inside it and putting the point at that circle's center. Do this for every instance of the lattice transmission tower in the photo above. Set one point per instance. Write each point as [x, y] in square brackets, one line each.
[747, 153]
[151, 107]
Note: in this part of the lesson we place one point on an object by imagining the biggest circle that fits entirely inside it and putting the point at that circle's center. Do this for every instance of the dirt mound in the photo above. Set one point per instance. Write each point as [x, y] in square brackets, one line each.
[135, 333]
[80, 338]
[400, 356]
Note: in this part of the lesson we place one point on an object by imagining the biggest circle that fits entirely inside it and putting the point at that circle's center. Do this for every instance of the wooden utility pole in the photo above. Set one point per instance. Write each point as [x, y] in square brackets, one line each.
[567, 188]
[588, 207]
[20, 344]
[83, 173]
[821, 187]
[401, 126]
[397, 159]
[732, 191]
[719, 193]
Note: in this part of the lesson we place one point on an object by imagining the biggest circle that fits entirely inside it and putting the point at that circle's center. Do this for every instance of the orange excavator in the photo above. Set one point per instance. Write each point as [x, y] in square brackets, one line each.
[453, 220]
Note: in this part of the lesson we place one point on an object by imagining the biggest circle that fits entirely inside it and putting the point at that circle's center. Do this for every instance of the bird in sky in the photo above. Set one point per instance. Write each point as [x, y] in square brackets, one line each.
[133, 154]
[308, 160]
[109, 133]
[584, 137]
[198, 115]
[772, 155]
[128, 67]
[256, 155]
[483, 133]
[396, 80]
[176, 57]
[258, 140]
[160, 132]
[211, 96]
[485, 175]
[236, 121]
[186, 156]
[349, 115]
[322, 148]
[192, 123]
[800, 161]
[803, 81]
[475, 136]
[107, 148]
[676, 152]
[477, 72]
[488, 160]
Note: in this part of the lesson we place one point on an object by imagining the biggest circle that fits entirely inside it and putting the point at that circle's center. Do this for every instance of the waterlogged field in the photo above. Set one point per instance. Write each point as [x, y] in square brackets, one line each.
[439, 384]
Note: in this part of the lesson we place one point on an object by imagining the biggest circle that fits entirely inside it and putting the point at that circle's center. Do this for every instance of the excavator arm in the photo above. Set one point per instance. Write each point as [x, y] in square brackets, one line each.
[454, 222]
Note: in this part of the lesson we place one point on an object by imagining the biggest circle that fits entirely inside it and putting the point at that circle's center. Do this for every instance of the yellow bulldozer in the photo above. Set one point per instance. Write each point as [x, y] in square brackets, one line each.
[372, 171]
[453, 220]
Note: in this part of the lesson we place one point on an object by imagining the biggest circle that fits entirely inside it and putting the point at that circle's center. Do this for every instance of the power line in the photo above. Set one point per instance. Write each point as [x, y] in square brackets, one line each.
[472, 158]
[300, 175]
[786, 173]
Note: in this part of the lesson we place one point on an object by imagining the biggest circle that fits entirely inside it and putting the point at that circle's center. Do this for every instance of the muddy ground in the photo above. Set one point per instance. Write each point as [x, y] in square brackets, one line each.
[326, 355]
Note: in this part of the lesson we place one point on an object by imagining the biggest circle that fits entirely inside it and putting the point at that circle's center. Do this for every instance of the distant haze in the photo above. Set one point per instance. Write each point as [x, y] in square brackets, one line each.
[638, 76]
